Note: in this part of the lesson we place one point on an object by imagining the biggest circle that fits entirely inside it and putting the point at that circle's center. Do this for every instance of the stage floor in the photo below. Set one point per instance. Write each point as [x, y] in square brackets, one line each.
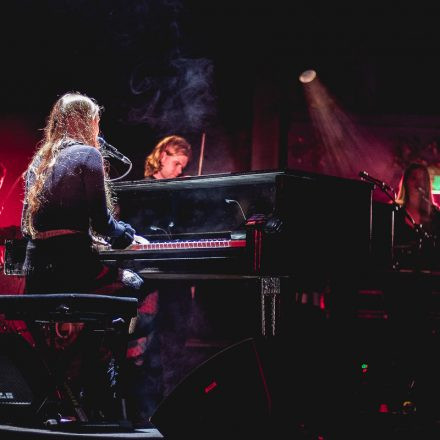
[12, 432]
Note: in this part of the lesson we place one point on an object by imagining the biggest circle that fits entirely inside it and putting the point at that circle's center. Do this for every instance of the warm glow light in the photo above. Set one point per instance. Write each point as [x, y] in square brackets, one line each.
[307, 76]
[341, 143]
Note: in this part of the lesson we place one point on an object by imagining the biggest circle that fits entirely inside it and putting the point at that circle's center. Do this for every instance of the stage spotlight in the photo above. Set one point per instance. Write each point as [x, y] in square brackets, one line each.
[307, 76]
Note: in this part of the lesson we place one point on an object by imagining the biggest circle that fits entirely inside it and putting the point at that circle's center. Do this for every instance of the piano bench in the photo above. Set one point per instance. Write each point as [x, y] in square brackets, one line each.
[97, 315]
[68, 307]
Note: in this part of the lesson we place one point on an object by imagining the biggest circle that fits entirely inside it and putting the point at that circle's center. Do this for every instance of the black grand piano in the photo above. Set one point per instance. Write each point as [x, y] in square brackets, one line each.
[208, 223]
[267, 225]
[279, 227]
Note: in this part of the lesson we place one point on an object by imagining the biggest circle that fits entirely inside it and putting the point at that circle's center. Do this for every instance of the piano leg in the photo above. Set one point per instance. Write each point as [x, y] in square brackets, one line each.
[270, 304]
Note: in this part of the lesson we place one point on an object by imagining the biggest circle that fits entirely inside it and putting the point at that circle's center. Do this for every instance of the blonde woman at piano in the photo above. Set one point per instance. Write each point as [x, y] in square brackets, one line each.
[67, 201]
[168, 159]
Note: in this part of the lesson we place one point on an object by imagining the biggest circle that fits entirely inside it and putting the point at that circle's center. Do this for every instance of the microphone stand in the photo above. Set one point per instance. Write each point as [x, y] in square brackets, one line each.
[130, 166]
[108, 150]
[123, 175]
[391, 194]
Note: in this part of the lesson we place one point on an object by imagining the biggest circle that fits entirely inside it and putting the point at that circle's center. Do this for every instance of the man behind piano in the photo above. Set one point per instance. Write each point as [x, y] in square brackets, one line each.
[168, 160]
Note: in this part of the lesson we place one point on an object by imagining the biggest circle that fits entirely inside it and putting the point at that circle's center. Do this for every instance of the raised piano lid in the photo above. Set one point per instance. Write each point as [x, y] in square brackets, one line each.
[192, 207]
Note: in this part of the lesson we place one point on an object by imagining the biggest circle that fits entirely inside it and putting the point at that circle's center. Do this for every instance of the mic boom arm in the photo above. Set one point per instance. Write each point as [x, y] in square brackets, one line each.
[380, 184]
[113, 151]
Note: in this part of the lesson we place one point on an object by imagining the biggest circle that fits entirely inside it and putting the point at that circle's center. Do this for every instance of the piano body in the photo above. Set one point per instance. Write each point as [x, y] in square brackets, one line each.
[266, 225]
[273, 226]
[307, 222]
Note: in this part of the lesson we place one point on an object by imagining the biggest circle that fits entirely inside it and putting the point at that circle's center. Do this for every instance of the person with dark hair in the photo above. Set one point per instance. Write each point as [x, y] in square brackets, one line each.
[168, 159]
[68, 204]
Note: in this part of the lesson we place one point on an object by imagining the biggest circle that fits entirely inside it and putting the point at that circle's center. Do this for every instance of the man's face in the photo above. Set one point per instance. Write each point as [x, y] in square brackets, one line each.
[172, 165]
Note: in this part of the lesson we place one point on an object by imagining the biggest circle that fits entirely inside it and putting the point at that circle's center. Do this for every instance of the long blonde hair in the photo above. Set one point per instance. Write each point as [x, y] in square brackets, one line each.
[172, 145]
[71, 119]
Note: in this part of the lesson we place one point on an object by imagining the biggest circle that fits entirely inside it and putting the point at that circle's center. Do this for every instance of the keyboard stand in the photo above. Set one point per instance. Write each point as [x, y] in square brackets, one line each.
[103, 316]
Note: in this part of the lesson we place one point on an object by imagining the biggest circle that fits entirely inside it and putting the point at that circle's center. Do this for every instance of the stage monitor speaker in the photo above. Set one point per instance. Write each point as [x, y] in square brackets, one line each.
[24, 380]
[226, 395]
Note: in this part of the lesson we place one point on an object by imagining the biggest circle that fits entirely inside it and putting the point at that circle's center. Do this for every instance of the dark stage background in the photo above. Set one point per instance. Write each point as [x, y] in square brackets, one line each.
[229, 70]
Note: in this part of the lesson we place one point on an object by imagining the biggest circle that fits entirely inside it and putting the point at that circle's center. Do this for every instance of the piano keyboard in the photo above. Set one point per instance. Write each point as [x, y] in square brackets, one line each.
[176, 245]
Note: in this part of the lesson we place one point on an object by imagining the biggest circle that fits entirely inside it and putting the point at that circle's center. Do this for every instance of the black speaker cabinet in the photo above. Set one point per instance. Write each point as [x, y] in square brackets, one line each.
[24, 380]
[224, 397]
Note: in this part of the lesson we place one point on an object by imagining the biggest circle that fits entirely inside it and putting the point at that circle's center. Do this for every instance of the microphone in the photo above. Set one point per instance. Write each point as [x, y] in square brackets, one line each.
[364, 175]
[113, 151]
[241, 209]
